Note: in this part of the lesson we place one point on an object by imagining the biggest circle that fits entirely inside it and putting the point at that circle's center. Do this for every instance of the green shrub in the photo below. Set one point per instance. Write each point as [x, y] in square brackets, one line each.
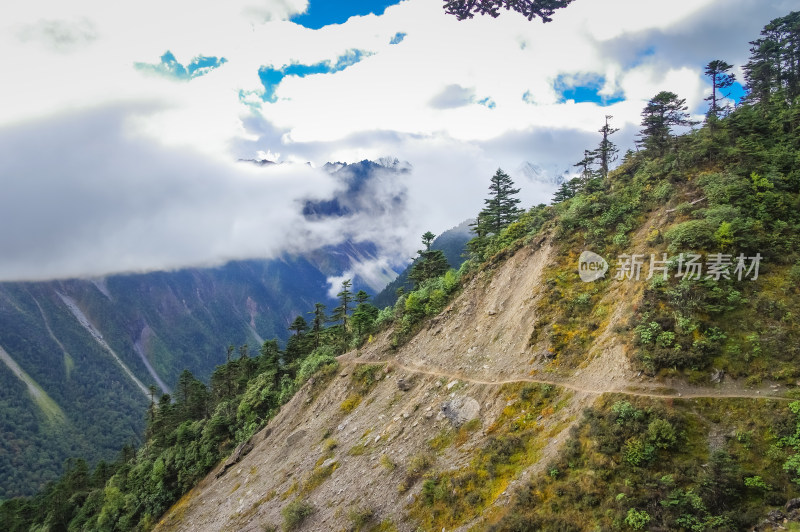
[637, 519]
[295, 513]
[690, 235]
[320, 357]
[385, 317]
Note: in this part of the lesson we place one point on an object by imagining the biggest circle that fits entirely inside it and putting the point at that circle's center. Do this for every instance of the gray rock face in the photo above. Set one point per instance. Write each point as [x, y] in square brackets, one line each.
[240, 452]
[460, 410]
[295, 437]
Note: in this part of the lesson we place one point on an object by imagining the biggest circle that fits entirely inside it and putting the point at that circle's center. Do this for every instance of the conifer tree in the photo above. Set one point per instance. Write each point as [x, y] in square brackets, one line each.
[365, 313]
[361, 297]
[299, 326]
[318, 322]
[430, 263]
[530, 9]
[662, 112]
[501, 206]
[341, 313]
[269, 355]
[774, 65]
[718, 71]
[567, 190]
[585, 164]
[606, 153]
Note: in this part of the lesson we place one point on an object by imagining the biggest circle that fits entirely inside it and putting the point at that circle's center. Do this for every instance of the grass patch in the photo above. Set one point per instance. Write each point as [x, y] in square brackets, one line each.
[641, 463]
[319, 475]
[387, 463]
[350, 404]
[452, 497]
[441, 441]
[418, 465]
[295, 513]
[357, 450]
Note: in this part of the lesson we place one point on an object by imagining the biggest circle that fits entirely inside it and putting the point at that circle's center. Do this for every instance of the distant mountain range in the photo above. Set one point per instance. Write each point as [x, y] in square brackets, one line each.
[77, 357]
[528, 171]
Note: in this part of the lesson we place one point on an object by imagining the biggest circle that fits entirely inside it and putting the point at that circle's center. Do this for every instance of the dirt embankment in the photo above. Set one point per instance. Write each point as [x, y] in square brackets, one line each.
[338, 460]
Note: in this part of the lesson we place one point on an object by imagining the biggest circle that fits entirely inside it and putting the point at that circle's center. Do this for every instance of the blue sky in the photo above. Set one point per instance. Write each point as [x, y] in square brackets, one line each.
[585, 89]
[271, 77]
[322, 13]
[171, 68]
[133, 124]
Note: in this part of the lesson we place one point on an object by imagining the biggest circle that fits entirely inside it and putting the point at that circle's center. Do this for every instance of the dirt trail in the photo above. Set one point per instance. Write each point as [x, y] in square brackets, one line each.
[688, 392]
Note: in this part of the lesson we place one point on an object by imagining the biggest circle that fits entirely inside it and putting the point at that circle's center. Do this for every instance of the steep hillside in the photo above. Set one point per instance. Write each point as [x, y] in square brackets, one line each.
[625, 359]
[90, 349]
[440, 432]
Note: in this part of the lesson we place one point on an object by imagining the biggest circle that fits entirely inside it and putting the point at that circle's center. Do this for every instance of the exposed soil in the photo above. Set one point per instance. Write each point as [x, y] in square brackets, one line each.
[473, 348]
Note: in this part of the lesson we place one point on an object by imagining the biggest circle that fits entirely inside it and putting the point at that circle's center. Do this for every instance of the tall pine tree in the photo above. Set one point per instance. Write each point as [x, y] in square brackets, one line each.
[718, 71]
[430, 263]
[501, 206]
[774, 66]
[342, 312]
[663, 112]
[607, 151]
[585, 164]
[318, 323]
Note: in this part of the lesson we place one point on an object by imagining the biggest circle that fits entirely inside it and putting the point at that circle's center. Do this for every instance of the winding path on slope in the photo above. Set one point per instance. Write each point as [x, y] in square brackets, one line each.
[677, 391]
[681, 392]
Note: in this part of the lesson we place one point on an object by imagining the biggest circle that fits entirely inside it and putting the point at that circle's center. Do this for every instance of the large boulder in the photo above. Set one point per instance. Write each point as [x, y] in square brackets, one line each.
[404, 384]
[459, 410]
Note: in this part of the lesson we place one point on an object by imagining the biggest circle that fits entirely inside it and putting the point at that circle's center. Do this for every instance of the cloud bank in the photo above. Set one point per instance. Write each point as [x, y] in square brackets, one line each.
[123, 123]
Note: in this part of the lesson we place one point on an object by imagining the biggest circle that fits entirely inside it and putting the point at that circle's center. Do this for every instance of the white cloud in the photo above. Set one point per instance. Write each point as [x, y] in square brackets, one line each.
[140, 155]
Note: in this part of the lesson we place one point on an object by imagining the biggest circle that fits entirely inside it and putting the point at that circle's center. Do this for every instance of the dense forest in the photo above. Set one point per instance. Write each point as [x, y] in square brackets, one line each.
[89, 407]
[730, 188]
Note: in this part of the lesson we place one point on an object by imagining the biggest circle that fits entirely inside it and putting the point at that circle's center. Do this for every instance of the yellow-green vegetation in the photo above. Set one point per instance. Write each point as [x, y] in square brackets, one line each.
[295, 513]
[69, 365]
[417, 466]
[441, 441]
[366, 376]
[428, 299]
[350, 403]
[636, 464]
[449, 436]
[317, 476]
[49, 408]
[387, 463]
[453, 497]
[465, 431]
[361, 519]
[291, 490]
[363, 379]
[364, 519]
[357, 450]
